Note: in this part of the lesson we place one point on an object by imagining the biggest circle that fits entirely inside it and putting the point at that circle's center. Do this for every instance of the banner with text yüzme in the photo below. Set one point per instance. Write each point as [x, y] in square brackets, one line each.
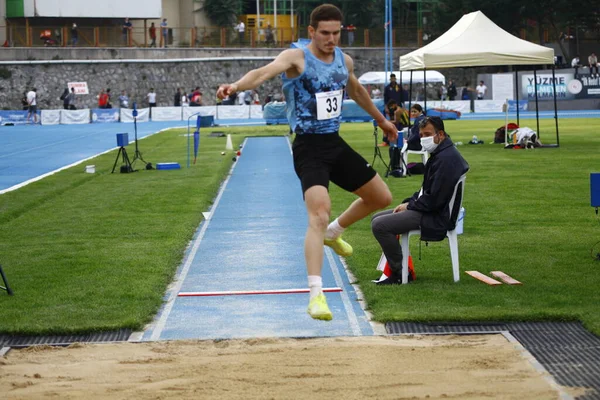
[568, 87]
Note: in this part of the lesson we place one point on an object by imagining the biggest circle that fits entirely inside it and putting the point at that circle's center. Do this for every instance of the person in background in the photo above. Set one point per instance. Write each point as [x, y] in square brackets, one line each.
[74, 34]
[24, 102]
[576, 63]
[413, 140]
[481, 89]
[32, 105]
[196, 98]
[123, 100]
[241, 30]
[64, 98]
[443, 92]
[164, 31]
[152, 32]
[177, 98]
[398, 115]
[351, 29]
[102, 99]
[392, 91]
[427, 209]
[185, 101]
[593, 63]
[151, 96]
[452, 92]
[71, 100]
[108, 98]
[375, 93]
[126, 31]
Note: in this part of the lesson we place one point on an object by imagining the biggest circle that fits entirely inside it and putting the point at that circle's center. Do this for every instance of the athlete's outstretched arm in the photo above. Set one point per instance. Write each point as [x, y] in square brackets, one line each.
[359, 94]
[286, 60]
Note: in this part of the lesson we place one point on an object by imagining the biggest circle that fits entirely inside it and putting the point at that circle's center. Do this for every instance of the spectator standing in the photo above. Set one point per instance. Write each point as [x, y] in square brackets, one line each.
[392, 91]
[32, 105]
[151, 98]
[241, 30]
[593, 63]
[126, 31]
[71, 100]
[164, 30]
[270, 40]
[185, 101]
[108, 99]
[196, 99]
[123, 100]
[102, 99]
[152, 32]
[576, 63]
[177, 98]
[481, 89]
[452, 92]
[443, 92]
[405, 95]
[350, 28]
[24, 102]
[375, 93]
[74, 34]
[64, 98]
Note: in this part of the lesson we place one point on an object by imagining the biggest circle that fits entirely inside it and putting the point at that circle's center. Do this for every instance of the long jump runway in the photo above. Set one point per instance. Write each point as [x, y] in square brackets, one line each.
[241, 270]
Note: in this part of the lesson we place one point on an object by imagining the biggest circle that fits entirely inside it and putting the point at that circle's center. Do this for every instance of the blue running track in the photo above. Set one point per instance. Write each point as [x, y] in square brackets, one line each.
[253, 241]
[28, 152]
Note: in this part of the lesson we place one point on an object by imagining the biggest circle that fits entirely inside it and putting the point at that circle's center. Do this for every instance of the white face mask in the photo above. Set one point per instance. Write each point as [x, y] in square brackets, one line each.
[428, 144]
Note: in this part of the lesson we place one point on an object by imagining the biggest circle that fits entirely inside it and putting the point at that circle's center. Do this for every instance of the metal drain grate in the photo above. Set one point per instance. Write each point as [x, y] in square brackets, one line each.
[24, 341]
[568, 351]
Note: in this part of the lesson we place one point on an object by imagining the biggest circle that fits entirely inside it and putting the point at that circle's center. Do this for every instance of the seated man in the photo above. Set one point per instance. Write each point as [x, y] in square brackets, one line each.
[427, 209]
[397, 116]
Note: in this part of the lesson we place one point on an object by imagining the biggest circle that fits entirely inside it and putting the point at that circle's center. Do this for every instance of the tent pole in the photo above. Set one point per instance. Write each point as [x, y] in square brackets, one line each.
[517, 93]
[425, 89]
[555, 108]
[537, 111]
[410, 99]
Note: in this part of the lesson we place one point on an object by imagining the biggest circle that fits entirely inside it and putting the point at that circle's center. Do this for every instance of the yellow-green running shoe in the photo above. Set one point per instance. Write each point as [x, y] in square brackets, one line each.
[318, 308]
[340, 247]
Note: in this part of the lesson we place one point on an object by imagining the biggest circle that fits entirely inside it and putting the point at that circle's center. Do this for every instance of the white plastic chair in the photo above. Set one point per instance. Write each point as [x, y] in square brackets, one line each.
[405, 152]
[452, 235]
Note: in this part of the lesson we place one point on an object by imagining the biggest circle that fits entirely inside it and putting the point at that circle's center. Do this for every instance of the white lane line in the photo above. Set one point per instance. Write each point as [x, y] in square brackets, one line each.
[352, 318]
[162, 321]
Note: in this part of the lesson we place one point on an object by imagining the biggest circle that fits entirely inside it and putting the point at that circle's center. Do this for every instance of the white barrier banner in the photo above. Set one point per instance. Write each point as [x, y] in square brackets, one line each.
[489, 105]
[50, 117]
[143, 115]
[256, 111]
[233, 112]
[204, 111]
[166, 113]
[464, 106]
[69, 117]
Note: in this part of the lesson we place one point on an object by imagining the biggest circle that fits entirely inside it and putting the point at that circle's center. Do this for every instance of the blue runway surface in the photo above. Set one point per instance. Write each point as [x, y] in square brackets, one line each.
[253, 241]
[27, 152]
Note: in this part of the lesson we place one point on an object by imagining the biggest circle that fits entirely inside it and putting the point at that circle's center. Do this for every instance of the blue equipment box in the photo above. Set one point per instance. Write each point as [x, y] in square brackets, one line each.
[207, 120]
[122, 139]
[595, 189]
[168, 165]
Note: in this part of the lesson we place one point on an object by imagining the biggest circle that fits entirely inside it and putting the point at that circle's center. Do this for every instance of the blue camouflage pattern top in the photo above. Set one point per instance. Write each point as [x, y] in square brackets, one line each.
[318, 77]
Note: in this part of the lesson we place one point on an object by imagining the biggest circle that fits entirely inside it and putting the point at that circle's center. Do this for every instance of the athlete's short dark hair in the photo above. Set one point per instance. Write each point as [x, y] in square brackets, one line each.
[325, 12]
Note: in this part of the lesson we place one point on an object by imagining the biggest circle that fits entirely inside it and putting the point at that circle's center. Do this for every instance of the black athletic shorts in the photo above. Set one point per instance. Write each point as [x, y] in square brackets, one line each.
[319, 159]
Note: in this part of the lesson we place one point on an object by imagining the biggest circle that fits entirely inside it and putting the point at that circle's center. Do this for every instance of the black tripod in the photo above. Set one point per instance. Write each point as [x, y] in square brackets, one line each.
[7, 288]
[126, 167]
[377, 151]
[138, 154]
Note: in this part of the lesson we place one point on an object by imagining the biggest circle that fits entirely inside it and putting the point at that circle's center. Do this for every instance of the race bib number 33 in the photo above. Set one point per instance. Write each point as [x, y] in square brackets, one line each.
[329, 104]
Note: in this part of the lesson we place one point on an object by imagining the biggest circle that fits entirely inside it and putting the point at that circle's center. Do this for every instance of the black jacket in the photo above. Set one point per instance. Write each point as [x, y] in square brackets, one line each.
[392, 93]
[442, 171]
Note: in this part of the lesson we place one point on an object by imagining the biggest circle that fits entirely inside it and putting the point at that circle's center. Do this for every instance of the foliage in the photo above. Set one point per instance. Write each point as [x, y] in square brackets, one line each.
[222, 12]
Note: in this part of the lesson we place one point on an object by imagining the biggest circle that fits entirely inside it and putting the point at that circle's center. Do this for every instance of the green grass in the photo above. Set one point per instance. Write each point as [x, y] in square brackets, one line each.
[96, 252]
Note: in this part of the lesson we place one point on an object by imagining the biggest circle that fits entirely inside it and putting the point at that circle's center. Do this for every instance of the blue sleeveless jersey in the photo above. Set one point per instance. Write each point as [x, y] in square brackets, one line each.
[318, 77]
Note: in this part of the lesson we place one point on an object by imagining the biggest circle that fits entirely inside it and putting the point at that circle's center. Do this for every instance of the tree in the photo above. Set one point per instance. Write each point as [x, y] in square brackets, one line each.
[221, 12]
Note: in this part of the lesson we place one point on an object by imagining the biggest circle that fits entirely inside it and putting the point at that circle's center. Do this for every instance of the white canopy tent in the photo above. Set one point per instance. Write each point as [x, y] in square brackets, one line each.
[379, 77]
[475, 41]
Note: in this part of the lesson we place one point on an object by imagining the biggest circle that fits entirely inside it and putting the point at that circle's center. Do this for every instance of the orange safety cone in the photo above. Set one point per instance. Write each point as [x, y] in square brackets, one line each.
[386, 271]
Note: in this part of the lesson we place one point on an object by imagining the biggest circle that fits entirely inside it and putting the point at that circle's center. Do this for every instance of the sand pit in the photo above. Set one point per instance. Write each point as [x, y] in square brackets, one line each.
[419, 367]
